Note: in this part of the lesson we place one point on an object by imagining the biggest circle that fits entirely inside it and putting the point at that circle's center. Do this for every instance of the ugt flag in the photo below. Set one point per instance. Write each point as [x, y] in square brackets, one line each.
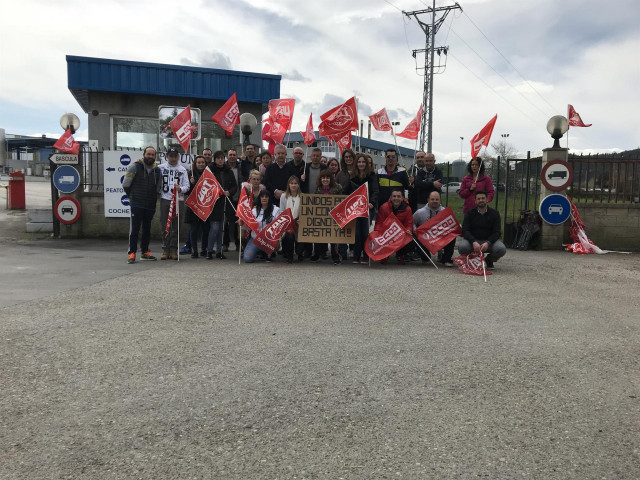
[244, 211]
[229, 115]
[66, 143]
[181, 126]
[471, 264]
[355, 205]
[281, 111]
[342, 141]
[173, 210]
[340, 119]
[393, 237]
[308, 136]
[268, 238]
[574, 118]
[412, 130]
[204, 195]
[439, 231]
[380, 121]
[482, 137]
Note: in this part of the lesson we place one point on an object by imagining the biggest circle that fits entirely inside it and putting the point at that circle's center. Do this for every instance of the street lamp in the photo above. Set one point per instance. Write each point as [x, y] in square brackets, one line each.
[557, 126]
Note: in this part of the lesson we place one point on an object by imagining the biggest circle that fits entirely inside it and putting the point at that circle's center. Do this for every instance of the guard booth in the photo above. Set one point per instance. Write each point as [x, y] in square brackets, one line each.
[15, 192]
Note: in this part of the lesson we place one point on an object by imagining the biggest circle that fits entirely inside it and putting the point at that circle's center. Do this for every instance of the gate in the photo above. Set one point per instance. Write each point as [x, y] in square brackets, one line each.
[522, 192]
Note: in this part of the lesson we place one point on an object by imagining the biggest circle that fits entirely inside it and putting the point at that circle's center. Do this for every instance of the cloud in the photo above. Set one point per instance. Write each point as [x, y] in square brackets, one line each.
[209, 59]
[294, 76]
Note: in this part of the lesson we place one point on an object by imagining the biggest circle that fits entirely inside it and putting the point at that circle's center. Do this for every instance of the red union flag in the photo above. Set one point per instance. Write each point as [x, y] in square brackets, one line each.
[412, 130]
[380, 121]
[173, 211]
[204, 195]
[393, 237]
[268, 238]
[439, 231]
[355, 205]
[181, 126]
[281, 111]
[482, 137]
[66, 143]
[273, 131]
[471, 264]
[340, 119]
[228, 115]
[244, 213]
[308, 136]
[574, 118]
[343, 141]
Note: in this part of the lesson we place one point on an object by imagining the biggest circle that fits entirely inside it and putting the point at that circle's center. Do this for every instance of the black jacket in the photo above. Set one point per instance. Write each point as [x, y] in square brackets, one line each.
[225, 177]
[142, 186]
[275, 178]
[479, 227]
[423, 184]
[357, 182]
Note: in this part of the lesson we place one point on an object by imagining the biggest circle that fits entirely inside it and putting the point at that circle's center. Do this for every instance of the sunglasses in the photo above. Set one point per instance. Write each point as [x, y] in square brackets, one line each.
[391, 156]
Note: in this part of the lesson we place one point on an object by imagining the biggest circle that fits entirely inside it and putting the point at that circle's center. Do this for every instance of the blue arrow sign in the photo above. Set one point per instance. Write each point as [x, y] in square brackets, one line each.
[111, 169]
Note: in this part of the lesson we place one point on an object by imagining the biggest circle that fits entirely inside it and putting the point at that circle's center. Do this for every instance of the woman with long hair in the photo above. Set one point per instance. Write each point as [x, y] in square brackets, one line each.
[198, 226]
[327, 185]
[476, 181]
[267, 159]
[347, 168]
[265, 212]
[291, 199]
[363, 173]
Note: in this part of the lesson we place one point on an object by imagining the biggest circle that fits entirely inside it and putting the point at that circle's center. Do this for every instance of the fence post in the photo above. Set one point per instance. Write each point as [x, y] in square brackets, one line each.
[526, 189]
[498, 183]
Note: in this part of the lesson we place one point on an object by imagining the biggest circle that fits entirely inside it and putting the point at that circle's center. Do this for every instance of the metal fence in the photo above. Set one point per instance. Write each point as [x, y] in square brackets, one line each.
[93, 169]
[611, 178]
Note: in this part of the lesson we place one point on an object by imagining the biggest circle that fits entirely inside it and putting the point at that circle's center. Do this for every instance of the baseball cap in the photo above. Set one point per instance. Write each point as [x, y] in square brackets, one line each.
[173, 150]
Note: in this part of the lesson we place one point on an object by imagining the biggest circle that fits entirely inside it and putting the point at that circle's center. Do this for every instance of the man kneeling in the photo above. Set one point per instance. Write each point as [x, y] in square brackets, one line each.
[481, 231]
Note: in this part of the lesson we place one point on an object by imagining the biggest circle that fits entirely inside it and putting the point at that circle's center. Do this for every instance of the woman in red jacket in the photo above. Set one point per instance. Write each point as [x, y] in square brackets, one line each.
[475, 182]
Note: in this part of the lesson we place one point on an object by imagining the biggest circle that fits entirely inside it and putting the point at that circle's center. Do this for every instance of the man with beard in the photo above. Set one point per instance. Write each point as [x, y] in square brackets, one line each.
[142, 183]
[426, 178]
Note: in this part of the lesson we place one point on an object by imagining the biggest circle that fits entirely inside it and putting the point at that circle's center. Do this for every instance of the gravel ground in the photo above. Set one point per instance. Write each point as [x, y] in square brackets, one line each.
[273, 371]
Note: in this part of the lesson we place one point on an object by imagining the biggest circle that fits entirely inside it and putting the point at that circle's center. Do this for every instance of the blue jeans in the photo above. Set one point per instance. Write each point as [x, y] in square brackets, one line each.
[215, 234]
[140, 217]
[250, 252]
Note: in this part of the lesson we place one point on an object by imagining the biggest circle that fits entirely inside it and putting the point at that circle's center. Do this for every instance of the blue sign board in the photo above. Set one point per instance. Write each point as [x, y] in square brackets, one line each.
[555, 209]
[66, 178]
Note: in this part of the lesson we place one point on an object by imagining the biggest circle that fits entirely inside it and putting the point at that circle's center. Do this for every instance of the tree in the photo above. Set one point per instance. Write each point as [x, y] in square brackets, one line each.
[504, 150]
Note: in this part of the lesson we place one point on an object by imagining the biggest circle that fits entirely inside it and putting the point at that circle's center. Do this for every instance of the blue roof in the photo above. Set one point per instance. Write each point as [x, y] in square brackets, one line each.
[364, 143]
[87, 74]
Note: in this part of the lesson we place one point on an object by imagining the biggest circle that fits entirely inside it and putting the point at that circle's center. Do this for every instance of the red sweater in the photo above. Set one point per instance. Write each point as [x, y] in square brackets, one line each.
[403, 214]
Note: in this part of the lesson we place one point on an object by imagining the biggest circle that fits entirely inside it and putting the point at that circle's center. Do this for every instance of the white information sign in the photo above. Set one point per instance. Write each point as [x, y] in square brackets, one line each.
[116, 162]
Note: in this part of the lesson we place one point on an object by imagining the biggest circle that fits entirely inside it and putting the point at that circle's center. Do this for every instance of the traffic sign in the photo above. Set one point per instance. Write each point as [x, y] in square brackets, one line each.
[556, 175]
[555, 209]
[116, 162]
[64, 158]
[67, 210]
[66, 178]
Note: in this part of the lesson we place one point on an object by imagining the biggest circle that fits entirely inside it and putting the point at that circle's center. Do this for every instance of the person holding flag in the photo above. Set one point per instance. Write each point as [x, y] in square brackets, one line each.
[363, 174]
[481, 231]
[225, 178]
[426, 213]
[476, 180]
[172, 173]
[399, 207]
[291, 199]
[264, 212]
[198, 226]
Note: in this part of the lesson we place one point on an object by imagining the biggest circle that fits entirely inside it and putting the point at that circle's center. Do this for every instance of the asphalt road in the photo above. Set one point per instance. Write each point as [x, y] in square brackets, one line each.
[208, 369]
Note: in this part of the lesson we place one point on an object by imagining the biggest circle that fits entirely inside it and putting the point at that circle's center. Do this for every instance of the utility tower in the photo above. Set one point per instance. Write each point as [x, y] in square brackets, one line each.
[435, 18]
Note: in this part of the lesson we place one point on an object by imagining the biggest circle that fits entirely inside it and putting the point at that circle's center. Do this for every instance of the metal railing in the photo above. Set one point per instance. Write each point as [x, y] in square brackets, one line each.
[610, 178]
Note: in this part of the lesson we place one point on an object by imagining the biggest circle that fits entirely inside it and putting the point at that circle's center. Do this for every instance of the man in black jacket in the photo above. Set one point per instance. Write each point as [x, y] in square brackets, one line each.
[142, 184]
[481, 231]
[427, 178]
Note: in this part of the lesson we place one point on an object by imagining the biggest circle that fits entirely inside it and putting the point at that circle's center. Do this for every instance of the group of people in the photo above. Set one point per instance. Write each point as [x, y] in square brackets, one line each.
[275, 184]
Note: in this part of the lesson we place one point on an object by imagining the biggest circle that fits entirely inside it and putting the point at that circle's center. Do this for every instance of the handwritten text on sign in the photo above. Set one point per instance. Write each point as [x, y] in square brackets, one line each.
[316, 225]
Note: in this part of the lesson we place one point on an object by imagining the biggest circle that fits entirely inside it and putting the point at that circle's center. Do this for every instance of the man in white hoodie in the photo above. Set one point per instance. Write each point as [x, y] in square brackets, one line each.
[171, 173]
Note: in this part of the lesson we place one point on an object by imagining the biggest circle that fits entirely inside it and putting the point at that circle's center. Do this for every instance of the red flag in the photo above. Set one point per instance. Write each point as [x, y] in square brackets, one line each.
[268, 238]
[181, 126]
[393, 237]
[355, 205]
[244, 211]
[471, 264]
[308, 136]
[340, 119]
[574, 118]
[66, 143]
[173, 211]
[204, 195]
[412, 130]
[380, 121]
[281, 112]
[228, 115]
[439, 231]
[343, 141]
[482, 137]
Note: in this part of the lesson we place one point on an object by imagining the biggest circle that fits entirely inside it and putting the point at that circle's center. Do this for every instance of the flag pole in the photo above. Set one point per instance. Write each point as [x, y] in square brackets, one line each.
[425, 253]
[177, 215]
[239, 243]
[484, 272]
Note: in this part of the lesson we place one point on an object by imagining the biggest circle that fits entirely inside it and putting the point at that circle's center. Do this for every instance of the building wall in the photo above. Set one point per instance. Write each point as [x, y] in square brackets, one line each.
[612, 226]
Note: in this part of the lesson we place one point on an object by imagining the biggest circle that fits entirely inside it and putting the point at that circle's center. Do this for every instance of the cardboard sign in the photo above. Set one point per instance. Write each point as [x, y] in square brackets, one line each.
[316, 225]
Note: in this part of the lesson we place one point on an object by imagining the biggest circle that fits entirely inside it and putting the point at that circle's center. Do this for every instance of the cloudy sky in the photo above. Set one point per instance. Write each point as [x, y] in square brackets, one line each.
[523, 60]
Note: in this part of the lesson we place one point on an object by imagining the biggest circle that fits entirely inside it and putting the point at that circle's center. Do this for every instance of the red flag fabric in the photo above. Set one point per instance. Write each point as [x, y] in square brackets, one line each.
[340, 119]
[355, 205]
[173, 211]
[381, 244]
[583, 244]
[343, 141]
[204, 195]
[268, 238]
[229, 114]
[574, 118]
[471, 264]
[380, 121]
[482, 137]
[244, 211]
[66, 143]
[412, 130]
[181, 126]
[308, 136]
[281, 112]
[439, 231]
